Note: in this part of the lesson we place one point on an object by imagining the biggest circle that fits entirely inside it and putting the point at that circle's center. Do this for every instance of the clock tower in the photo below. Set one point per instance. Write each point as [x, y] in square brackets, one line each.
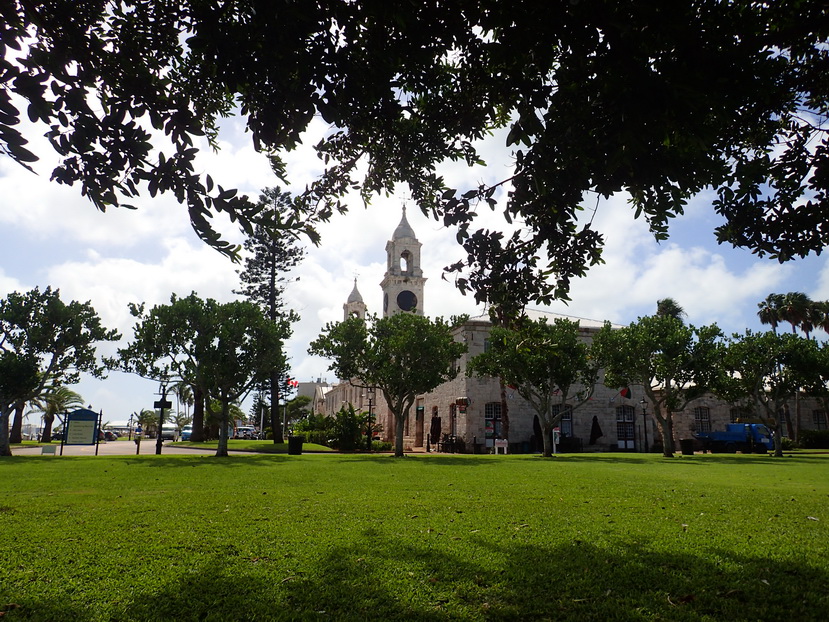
[403, 282]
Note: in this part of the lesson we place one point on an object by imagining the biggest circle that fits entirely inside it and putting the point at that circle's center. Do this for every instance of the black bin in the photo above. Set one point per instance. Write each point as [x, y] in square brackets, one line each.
[295, 445]
[687, 446]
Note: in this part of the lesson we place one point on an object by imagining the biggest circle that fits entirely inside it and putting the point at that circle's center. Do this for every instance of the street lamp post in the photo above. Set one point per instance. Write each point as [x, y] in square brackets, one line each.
[370, 394]
[162, 405]
[645, 422]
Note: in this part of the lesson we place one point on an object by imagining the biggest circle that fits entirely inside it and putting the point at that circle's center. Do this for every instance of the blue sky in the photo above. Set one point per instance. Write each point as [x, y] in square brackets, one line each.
[50, 235]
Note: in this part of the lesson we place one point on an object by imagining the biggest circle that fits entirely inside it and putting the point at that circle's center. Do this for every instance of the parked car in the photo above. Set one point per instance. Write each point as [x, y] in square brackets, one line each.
[245, 431]
[186, 432]
[169, 433]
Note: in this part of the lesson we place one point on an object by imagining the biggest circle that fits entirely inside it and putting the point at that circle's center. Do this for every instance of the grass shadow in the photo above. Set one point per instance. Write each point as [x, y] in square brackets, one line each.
[568, 581]
[380, 578]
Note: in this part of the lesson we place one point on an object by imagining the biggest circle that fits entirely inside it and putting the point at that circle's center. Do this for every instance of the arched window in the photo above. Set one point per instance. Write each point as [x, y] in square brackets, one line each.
[405, 262]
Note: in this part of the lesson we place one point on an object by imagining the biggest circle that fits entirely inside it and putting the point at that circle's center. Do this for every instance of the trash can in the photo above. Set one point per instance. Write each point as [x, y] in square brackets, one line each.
[687, 446]
[295, 445]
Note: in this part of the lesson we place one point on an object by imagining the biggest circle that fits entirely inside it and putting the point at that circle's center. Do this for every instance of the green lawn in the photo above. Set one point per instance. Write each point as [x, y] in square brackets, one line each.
[261, 447]
[356, 537]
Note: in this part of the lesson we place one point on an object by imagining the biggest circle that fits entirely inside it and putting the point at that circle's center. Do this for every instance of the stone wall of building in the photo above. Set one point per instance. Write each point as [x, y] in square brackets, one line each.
[627, 423]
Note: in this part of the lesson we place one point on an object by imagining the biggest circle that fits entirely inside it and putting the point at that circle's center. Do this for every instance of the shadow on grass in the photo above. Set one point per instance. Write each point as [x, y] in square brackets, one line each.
[573, 581]
[382, 579]
[207, 460]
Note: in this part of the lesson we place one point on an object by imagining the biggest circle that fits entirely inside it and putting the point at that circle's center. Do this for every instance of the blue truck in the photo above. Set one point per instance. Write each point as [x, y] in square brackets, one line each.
[744, 437]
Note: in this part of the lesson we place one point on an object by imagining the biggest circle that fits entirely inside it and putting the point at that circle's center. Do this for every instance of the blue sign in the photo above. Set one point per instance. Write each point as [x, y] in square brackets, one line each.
[81, 427]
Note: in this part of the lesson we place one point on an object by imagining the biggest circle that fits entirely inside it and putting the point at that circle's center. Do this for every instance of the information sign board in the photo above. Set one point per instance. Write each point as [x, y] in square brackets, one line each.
[81, 427]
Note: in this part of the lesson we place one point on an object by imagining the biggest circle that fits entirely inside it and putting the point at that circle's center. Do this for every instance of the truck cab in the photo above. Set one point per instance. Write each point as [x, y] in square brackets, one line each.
[744, 437]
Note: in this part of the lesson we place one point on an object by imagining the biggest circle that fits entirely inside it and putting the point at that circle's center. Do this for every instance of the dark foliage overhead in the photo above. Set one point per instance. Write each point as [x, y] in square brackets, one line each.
[660, 100]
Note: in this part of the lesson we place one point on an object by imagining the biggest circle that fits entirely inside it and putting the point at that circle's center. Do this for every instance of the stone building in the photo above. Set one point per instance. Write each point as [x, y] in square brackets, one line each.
[465, 414]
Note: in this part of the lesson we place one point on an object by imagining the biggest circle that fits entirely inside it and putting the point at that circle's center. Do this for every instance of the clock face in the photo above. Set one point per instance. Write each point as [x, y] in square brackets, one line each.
[406, 300]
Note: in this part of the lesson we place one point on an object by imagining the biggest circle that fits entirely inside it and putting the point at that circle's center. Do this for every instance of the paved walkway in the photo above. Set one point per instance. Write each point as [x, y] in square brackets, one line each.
[127, 448]
[113, 448]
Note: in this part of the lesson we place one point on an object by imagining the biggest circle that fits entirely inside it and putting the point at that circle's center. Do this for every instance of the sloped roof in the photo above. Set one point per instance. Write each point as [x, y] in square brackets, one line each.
[355, 295]
[404, 229]
[537, 314]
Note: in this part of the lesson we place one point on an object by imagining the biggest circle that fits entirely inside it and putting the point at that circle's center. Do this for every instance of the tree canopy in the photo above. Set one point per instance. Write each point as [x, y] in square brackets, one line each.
[675, 363]
[771, 369]
[403, 355]
[548, 364]
[43, 341]
[222, 349]
[656, 100]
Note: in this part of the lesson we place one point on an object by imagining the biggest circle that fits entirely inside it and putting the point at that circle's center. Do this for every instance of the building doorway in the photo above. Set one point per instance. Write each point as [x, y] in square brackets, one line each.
[419, 417]
[624, 427]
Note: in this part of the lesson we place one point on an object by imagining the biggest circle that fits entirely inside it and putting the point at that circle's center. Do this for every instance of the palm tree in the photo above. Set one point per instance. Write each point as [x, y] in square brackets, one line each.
[670, 307]
[148, 419]
[769, 311]
[182, 419]
[815, 317]
[56, 399]
[184, 395]
[821, 315]
[794, 309]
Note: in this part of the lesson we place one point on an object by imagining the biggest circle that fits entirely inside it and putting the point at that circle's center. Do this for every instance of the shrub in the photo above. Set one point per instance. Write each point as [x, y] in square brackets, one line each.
[347, 424]
[788, 443]
[814, 439]
[318, 437]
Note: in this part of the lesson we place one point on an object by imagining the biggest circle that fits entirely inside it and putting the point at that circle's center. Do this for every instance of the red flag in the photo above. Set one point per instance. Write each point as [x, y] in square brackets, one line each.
[626, 393]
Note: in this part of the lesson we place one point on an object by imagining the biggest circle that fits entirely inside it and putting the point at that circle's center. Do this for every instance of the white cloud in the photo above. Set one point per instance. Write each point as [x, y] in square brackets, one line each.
[51, 235]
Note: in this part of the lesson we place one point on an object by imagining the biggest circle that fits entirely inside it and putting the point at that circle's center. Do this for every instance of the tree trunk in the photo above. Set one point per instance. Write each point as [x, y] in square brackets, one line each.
[16, 434]
[399, 424]
[221, 450]
[197, 435]
[546, 437]
[46, 435]
[504, 410]
[667, 425]
[5, 447]
[778, 436]
[789, 426]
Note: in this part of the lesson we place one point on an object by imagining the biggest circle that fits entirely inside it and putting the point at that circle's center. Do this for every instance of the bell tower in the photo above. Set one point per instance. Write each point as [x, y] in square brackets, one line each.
[354, 306]
[403, 282]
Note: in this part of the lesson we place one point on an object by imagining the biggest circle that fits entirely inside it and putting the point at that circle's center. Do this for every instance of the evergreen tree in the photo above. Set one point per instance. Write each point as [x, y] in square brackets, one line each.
[268, 260]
